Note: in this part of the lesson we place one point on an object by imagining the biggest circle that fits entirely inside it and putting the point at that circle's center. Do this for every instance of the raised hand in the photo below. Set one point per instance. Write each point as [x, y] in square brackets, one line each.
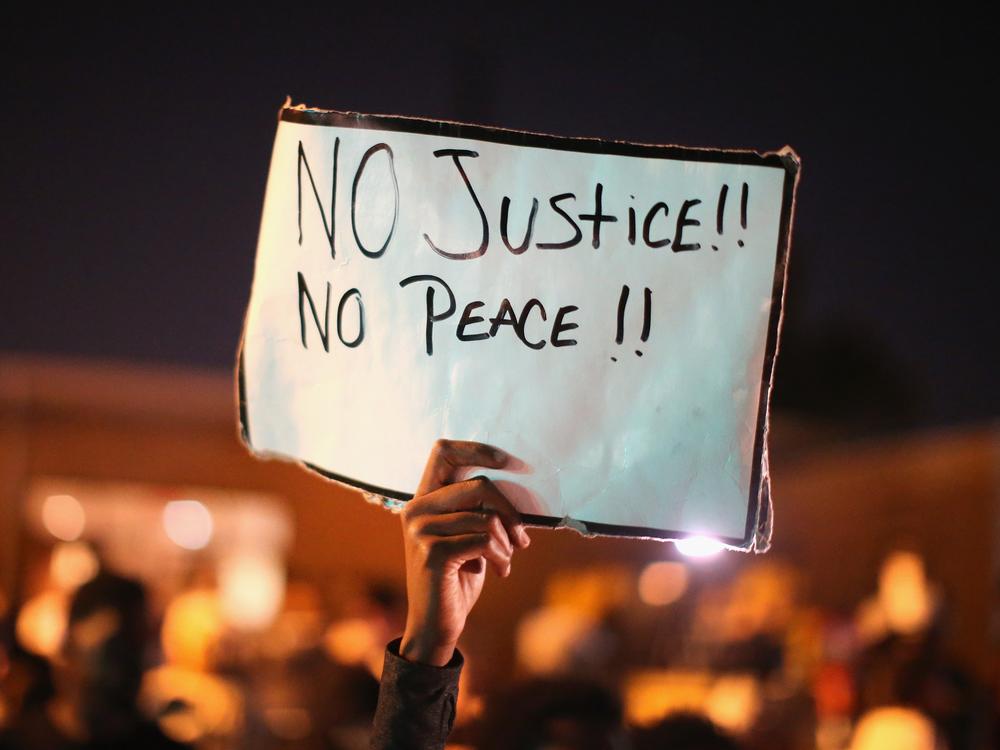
[451, 530]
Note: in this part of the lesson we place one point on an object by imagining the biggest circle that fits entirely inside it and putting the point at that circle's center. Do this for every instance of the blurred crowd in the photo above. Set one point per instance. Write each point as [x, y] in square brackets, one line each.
[681, 653]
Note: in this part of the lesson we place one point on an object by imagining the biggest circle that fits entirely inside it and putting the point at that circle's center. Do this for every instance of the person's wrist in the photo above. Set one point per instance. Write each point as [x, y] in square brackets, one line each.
[424, 648]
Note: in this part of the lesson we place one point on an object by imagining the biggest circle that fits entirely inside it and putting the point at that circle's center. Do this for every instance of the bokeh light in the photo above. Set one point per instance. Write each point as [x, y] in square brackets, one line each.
[734, 702]
[650, 695]
[251, 589]
[191, 630]
[188, 524]
[63, 517]
[903, 593]
[548, 638]
[662, 583]
[351, 640]
[192, 706]
[72, 564]
[894, 727]
[41, 623]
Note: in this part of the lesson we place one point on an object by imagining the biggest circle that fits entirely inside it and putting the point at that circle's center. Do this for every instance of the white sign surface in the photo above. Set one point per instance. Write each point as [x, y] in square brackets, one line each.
[606, 313]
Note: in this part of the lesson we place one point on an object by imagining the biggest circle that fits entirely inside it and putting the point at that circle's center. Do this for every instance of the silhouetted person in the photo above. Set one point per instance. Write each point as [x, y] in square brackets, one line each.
[683, 731]
[97, 677]
[561, 713]
[915, 671]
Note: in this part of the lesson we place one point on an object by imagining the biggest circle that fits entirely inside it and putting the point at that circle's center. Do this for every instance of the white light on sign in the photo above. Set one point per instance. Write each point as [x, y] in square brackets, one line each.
[699, 546]
[188, 524]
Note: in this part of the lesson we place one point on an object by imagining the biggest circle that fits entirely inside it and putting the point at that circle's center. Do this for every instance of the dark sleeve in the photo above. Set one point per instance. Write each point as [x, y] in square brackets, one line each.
[416, 703]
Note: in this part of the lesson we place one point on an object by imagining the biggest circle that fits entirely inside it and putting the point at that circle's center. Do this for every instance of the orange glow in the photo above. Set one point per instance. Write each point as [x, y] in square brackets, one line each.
[352, 641]
[41, 623]
[893, 727]
[72, 564]
[592, 591]
[833, 691]
[251, 589]
[214, 706]
[761, 600]
[546, 638]
[181, 726]
[903, 594]
[192, 626]
[734, 703]
[662, 583]
[653, 694]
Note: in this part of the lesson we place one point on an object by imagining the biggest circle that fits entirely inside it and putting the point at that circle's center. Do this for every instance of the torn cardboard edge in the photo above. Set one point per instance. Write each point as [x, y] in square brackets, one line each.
[304, 114]
[759, 521]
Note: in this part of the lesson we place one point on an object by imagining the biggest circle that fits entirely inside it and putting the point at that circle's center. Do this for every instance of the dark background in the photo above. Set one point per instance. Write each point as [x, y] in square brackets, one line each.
[136, 146]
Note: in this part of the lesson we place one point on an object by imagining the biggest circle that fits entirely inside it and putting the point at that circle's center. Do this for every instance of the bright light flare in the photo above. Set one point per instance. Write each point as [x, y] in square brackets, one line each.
[188, 524]
[699, 546]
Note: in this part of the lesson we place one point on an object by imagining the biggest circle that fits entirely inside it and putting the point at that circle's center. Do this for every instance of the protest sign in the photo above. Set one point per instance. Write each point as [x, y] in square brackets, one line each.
[605, 312]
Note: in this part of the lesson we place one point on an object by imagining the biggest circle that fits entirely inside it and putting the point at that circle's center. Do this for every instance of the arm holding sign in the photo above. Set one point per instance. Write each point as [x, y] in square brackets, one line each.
[451, 531]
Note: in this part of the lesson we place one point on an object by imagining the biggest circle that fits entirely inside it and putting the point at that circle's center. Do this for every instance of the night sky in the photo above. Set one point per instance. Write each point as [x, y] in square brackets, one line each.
[136, 147]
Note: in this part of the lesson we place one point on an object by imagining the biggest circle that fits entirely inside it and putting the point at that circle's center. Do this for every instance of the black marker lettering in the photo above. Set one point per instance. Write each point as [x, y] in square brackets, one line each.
[622, 301]
[684, 221]
[354, 199]
[469, 319]
[505, 317]
[577, 234]
[504, 213]
[328, 228]
[720, 212]
[647, 310]
[524, 319]
[648, 222]
[598, 216]
[324, 327]
[559, 327]
[744, 198]
[340, 318]
[631, 223]
[432, 317]
[455, 154]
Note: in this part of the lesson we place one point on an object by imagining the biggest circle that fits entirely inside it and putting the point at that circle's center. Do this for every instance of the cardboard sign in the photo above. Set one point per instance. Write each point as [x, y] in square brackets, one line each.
[605, 312]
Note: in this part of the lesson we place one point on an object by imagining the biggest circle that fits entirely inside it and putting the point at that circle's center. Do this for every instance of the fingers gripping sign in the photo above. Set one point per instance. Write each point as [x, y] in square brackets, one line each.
[453, 529]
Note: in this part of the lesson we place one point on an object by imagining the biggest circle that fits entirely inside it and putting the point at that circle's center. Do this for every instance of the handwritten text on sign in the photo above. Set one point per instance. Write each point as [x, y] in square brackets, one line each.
[602, 316]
